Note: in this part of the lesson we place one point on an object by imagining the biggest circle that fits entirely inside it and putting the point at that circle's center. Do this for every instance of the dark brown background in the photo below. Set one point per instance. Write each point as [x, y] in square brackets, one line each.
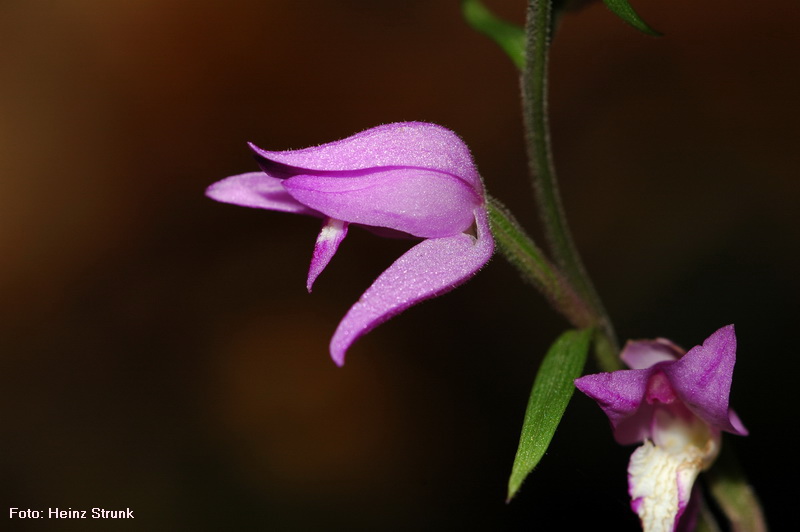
[159, 352]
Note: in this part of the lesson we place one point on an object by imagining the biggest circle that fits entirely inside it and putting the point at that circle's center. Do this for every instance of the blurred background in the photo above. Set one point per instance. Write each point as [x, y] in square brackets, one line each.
[159, 352]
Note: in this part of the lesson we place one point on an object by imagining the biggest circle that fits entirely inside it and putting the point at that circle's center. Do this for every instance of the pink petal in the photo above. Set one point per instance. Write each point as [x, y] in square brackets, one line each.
[702, 379]
[332, 233]
[256, 189]
[408, 144]
[620, 394]
[423, 203]
[642, 354]
[430, 268]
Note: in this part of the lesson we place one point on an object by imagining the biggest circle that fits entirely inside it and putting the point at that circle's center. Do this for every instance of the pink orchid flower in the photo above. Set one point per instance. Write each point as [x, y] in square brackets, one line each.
[676, 404]
[410, 178]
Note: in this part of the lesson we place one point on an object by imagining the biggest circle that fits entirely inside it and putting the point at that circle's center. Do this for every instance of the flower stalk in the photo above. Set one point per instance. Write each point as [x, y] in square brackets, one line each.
[522, 252]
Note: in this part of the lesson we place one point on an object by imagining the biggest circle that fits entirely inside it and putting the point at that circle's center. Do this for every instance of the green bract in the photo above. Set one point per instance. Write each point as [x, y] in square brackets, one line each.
[510, 37]
[550, 395]
[623, 10]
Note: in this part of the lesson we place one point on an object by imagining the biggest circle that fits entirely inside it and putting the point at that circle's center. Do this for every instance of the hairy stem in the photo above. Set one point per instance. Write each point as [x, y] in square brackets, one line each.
[522, 252]
[542, 170]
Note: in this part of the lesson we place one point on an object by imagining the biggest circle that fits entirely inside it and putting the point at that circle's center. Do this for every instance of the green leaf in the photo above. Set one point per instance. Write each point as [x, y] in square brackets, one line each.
[623, 10]
[510, 37]
[550, 395]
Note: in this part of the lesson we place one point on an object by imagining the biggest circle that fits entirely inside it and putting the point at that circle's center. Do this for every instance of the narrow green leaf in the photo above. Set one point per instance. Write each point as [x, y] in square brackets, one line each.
[550, 395]
[623, 10]
[510, 37]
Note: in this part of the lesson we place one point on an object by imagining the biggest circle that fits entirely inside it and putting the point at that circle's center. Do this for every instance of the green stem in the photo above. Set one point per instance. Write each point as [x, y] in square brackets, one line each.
[542, 169]
[733, 493]
[727, 481]
[522, 252]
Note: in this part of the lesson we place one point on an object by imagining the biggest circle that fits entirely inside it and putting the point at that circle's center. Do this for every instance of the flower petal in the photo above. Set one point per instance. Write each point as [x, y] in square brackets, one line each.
[620, 394]
[423, 203]
[332, 233]
[642, 354]
[430, 268]
[256, 189]
[702, 379]
[409, 144]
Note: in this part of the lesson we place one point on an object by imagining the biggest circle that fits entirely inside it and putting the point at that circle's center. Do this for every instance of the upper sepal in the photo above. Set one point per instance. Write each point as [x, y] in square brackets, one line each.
[702, 379]
[400, 144]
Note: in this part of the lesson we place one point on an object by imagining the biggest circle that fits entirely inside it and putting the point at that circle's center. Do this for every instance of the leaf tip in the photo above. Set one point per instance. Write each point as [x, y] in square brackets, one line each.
[509, 37]
[623, 10]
